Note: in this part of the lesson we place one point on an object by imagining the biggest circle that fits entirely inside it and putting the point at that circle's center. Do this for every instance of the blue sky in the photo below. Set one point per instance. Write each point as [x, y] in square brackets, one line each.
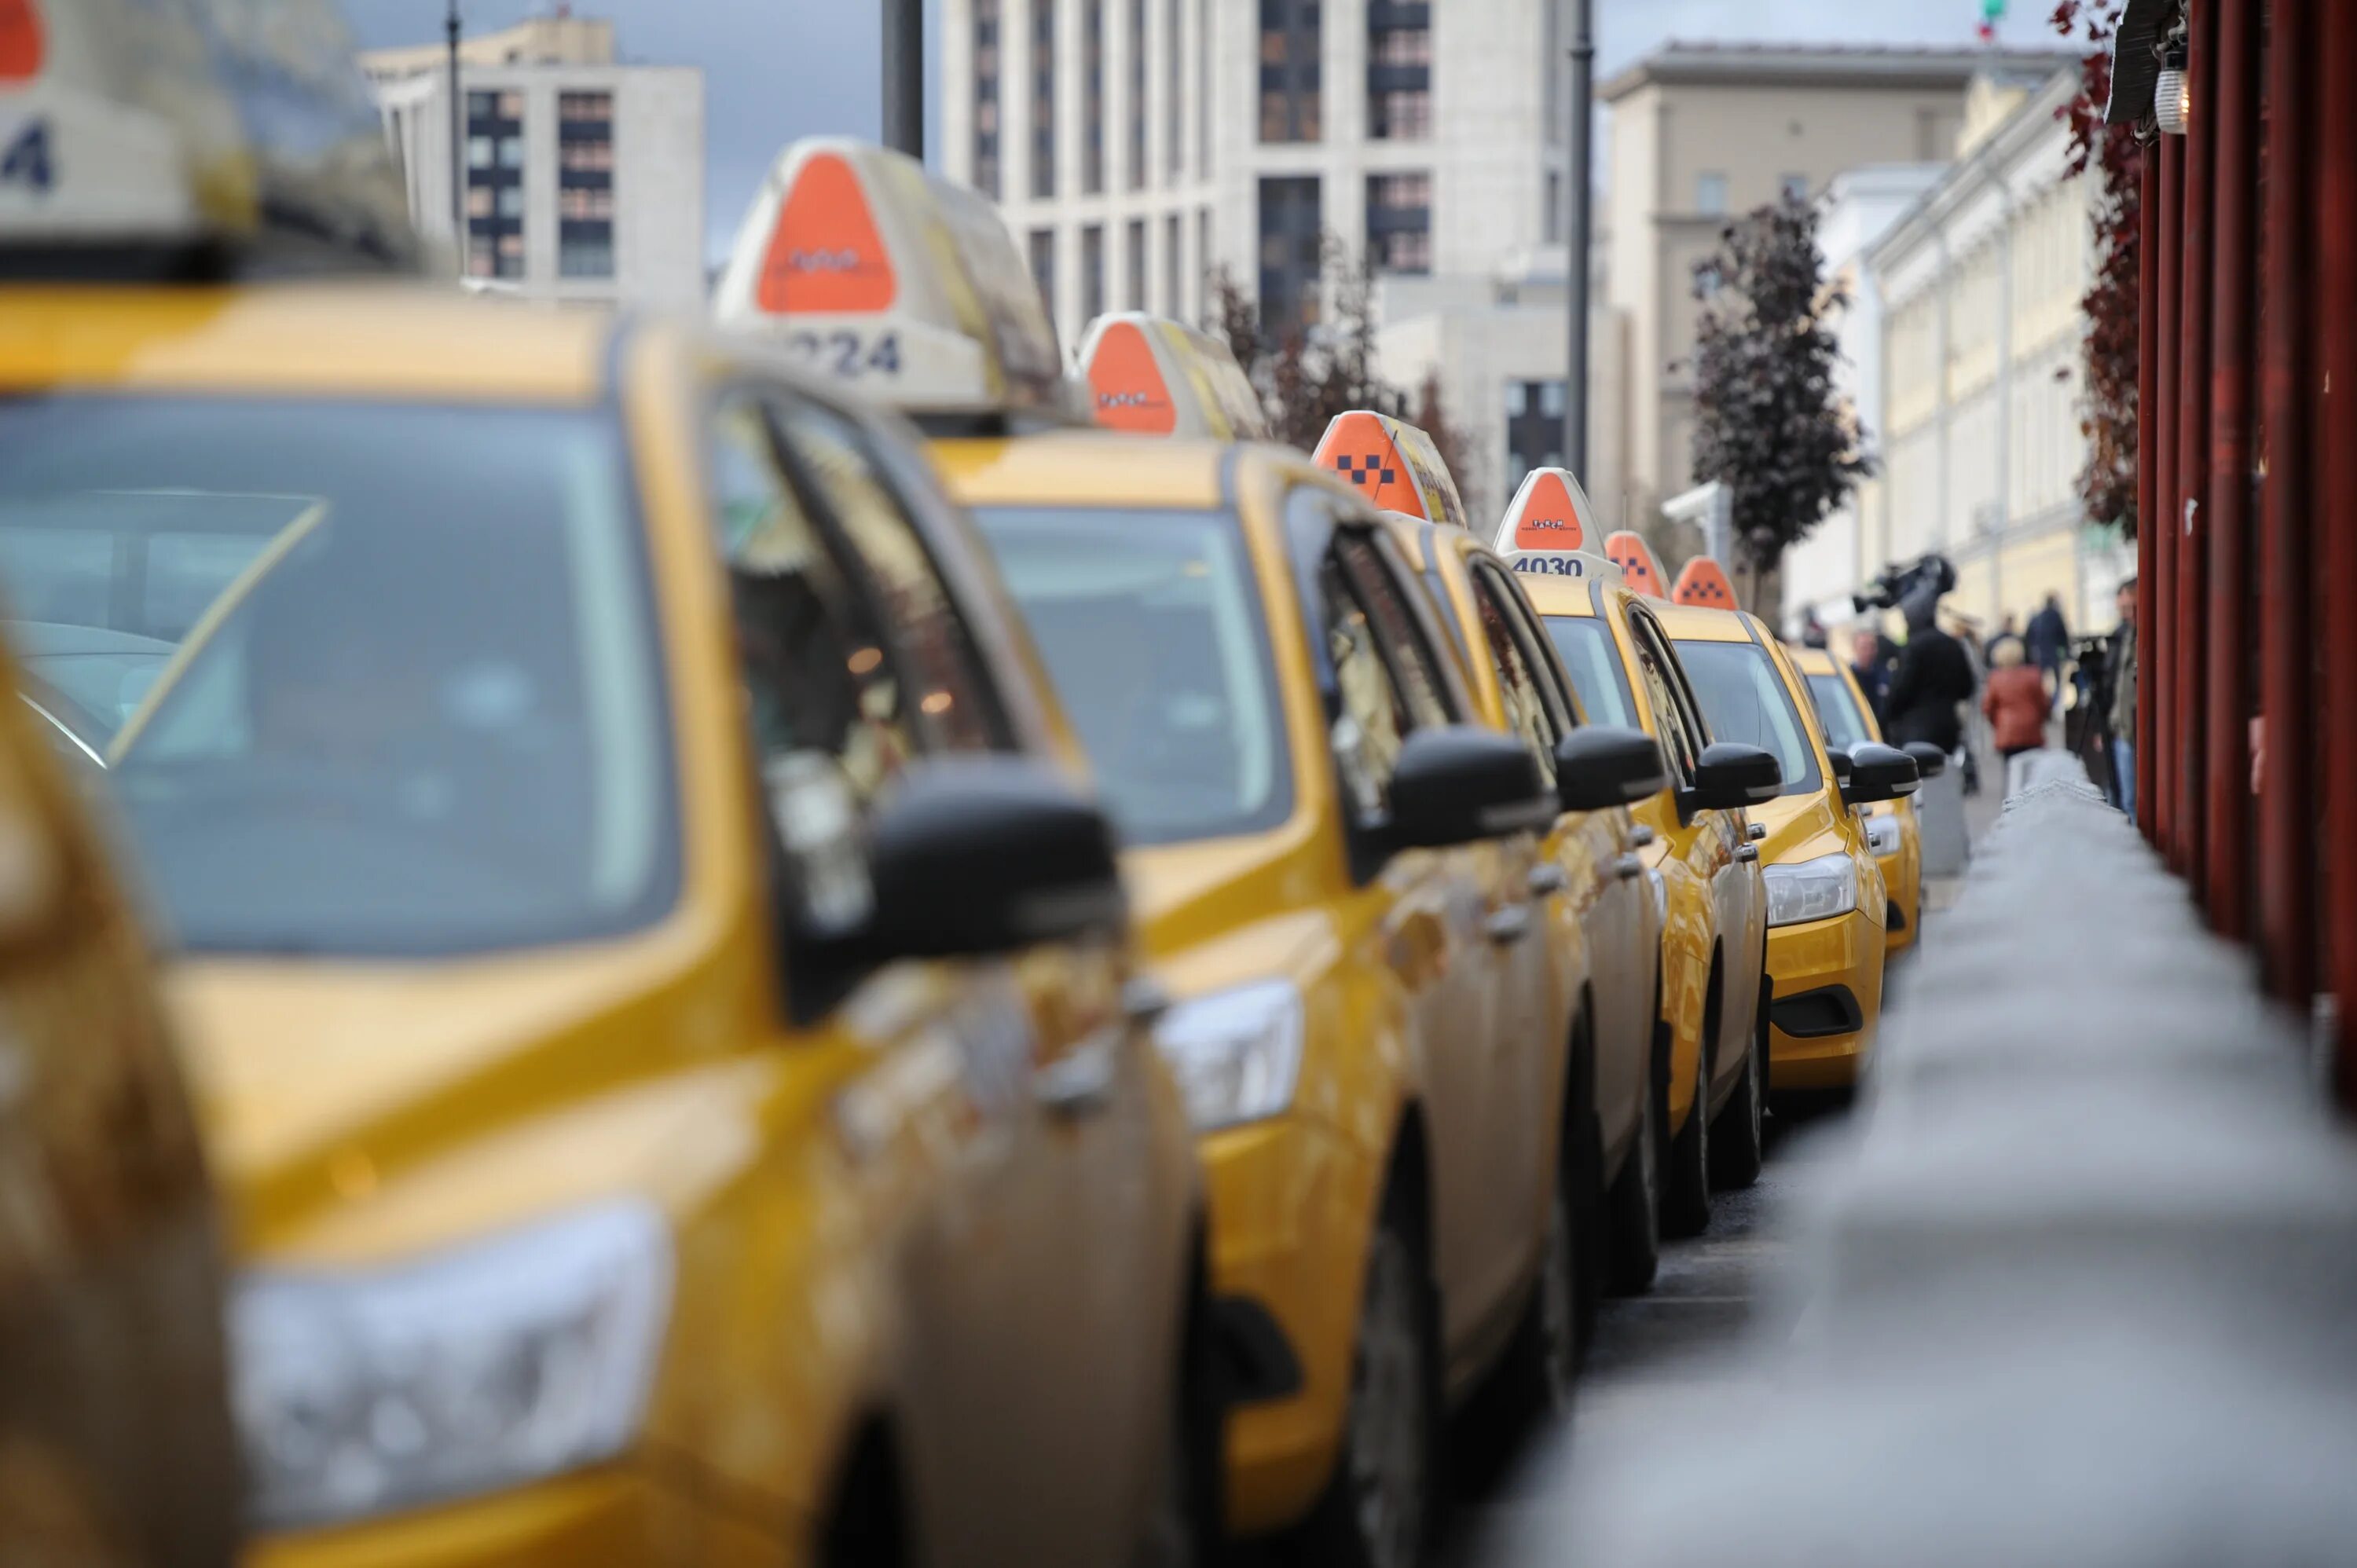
[776, 69]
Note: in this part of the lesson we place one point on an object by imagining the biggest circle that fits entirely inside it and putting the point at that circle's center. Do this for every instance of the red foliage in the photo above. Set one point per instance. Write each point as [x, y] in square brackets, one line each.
[2107, 484]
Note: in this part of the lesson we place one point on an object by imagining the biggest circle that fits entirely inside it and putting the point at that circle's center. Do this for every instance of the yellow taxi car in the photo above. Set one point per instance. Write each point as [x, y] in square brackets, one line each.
[1891, 828]
[1590, 857]
[1338, 878]
[1694, 838]
[568, 734]
[116, 1449]
[1825, 897]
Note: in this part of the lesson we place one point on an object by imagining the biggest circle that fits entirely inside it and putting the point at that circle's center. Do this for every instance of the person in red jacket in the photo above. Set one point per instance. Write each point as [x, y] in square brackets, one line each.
[2016, 700]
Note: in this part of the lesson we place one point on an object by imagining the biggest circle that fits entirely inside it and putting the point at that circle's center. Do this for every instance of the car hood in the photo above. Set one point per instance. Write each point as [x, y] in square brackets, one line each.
[1227, 910]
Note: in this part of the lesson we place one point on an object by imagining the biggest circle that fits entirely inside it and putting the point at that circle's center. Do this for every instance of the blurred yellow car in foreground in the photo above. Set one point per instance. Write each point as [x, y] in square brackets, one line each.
[1892, 828]
[572, 737]
[1825, 898]
[1708, 1074]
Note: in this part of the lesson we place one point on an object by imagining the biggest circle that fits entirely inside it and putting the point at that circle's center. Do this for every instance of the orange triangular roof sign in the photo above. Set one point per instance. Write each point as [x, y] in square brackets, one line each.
[1629, 552]
[20, 41]
[1546, 517]
[1703, 583]
[1125, 382]
[825, 255]
[1392, 464]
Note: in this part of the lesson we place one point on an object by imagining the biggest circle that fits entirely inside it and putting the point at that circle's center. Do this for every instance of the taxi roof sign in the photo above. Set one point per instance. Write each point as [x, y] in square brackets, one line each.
[1154, 376]
[1550, 513]
[1703, 583]
[887, 276]
[1392, 463]
[1563, 563]
[241, 126]
[1629, 551]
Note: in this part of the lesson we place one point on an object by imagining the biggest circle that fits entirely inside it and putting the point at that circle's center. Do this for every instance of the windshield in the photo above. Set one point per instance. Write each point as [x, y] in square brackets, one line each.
[1844, 730]
[362, 679]
[1586, 645]
[1153, 632]
[1743, 699]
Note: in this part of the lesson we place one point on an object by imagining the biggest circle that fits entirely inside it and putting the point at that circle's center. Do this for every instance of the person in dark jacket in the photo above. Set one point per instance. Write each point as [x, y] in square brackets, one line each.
[2049, 642]
[1869, 661]
[1933, 676]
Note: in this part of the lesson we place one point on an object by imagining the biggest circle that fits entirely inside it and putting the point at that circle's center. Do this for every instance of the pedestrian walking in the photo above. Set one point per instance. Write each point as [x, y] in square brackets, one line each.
[2123, 671]
[2015, 701]
[2048, 640]
[1934, 676]
[1870, 660]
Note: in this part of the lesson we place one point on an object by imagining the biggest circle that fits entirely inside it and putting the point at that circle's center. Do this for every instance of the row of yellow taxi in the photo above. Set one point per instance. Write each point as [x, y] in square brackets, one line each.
[762, 982]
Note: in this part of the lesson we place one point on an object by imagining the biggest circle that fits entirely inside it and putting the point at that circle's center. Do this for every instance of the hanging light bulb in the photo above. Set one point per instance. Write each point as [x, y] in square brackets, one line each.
[2172, 96]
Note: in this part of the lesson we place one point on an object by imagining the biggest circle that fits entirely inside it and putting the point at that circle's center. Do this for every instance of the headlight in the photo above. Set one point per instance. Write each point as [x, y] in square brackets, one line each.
[1236, 1053]
[1882, 835]
[473, 1369]
[1813, 890]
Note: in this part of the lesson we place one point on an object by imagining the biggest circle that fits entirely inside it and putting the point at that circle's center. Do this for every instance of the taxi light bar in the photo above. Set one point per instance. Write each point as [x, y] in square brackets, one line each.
[242, 127]
[876, 271]
[1629, 551]
[1392, 464]
[1549, 513]
[1154, 376]
[1703, 583]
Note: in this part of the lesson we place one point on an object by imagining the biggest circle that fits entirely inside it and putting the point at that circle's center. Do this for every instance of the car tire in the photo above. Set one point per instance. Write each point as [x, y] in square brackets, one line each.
[1183, 1527]
[1380, 1507]
[1543, 1357]
[1739, 1139]
[1685, 1183]
[1634, 1204]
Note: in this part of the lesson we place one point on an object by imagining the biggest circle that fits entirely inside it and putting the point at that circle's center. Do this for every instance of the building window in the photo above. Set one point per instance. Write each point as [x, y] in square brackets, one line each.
[1795, 187]
[985, 97]
[1171, 304]
[1292, 237]
[1555, 217]
[1136, 297]
[1043, 267]
[1174, 73]
[1710, 195]
[1533, 428]
[1399, 222]
[1093, 271]
[1043, 97]
[1405, 115]
[1203, 263]
[495, 185]
[1092, 97]
[584, 185]
[1399, 71]
[1291, 104]
[1203, 89]
[1137, 94]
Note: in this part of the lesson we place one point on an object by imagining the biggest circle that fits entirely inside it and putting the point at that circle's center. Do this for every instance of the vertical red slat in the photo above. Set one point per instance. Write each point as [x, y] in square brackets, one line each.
[2336, 298]
[2157, 658]
[2148, 399]
[2287, 845]
[2226, 786]
[2190, 634]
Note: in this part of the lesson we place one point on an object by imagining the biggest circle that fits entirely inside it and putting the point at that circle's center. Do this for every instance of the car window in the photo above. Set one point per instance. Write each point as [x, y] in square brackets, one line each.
[1744, 699]
[1384, 593]
[1681, 736]
[1373, 712]
[1845, 728]
[1518, 682]
[1589, 657]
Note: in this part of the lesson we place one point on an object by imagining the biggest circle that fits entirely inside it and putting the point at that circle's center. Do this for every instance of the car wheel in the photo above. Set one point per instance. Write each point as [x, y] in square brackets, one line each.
[1544, 1359]
[1739, 1140]
[1635, 1200]
[1686, 1185]
[1184, 1524]
[1377, 1510]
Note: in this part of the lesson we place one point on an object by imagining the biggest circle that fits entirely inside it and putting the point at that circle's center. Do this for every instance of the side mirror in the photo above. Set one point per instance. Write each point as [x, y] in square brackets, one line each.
[1459, 784]
[1880, 773]
[1730, 776]
[1840, 760]
[976, 855]
[1598, 767]
[1929, 761]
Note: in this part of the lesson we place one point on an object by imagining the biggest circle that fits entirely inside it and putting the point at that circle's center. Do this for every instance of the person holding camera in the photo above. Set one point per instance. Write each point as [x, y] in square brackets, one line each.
[1933, 679]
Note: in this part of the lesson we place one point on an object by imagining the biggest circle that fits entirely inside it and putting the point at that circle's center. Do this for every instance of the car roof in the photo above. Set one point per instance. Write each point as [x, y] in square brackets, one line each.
[1688, 623]
[362, 340]
[1084, 468]
[1812, 660]
[1560, 596]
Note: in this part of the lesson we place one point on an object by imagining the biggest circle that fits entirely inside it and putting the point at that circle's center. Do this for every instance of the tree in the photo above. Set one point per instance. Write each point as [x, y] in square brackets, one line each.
[2107, 484]
[1769, 423]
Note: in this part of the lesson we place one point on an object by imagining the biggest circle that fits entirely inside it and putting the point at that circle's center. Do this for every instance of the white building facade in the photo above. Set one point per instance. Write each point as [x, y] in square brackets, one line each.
[1136, 145]
[1981, 285]
[582, 178]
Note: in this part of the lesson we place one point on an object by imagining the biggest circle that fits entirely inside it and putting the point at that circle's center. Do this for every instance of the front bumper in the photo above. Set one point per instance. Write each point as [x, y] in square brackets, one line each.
[1292, 1204]
[1828, 976]
[617, 1516]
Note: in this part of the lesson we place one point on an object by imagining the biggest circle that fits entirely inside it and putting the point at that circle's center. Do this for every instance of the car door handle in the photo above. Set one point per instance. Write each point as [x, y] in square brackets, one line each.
[1756, 831]
[1080, 1083]
[1546, 879]
[1627, 866]
[1510, 925]
[1640, 836]
[1748, 852]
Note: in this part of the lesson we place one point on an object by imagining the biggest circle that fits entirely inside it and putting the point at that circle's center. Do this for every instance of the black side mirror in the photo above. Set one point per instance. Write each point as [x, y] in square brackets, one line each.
[1459, 784]
[1929, 761]
[1880, 773]
[1840, 760]
[976, 855]
[1598, 767]
[1729, 775]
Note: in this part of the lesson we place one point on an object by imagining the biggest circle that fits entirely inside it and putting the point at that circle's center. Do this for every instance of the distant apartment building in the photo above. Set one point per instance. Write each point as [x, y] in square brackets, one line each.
[582, 177]
[1701, 133]
[1980, 285]
[1136, 145]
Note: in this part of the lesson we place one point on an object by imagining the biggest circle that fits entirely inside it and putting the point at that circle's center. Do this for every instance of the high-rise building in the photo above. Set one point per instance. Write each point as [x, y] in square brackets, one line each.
[584, 176]
[1248, 134]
